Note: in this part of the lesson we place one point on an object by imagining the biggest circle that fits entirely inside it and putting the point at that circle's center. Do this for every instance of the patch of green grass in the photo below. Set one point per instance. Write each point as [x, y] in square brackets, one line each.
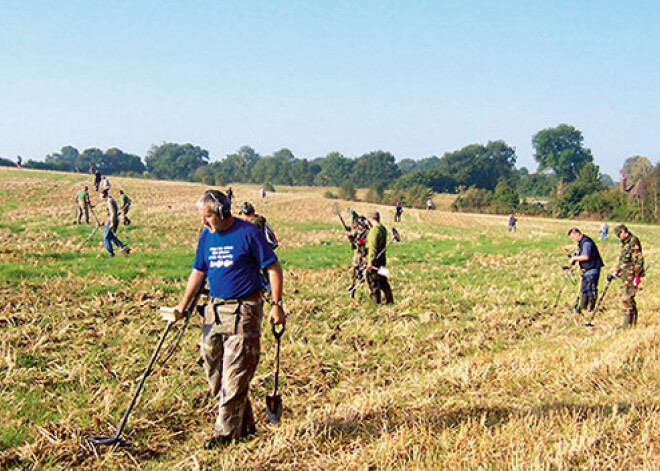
[30, 360]
[310, 226]
[167, 264]
[326, 254]
[14, 227]
[12, 436]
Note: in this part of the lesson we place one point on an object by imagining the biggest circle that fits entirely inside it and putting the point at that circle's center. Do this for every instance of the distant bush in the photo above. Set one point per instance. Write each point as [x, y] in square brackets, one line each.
[610, 204]
[347, 191]
[330, 194]
[268, 186]
[533, 209]
[375, 194]
[474, 199]
[505, 199]
[413, 197]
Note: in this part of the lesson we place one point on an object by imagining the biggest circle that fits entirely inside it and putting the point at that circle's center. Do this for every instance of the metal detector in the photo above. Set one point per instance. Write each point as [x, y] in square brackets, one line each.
[568, 276]
[610, 277]
[91, 234]
[116, 440]
[337, 212]
[590, 322]
[169, 315]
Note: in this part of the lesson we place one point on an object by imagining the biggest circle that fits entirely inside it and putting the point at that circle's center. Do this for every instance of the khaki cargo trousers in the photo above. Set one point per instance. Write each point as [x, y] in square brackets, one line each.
[230, 361]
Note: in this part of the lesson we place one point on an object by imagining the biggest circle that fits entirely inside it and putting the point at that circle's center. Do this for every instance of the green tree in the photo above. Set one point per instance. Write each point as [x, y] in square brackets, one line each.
[571, 202]
[433, 179]
[116, 161]
[335, 169]
[478, 165]
[505, 198]
[303, 173]
[71, 154]
[377, 167]
[561, 149]
[285, 153]
[93, 155]
[536, 184]
[238, 167]
[171, 161]
[276, 170]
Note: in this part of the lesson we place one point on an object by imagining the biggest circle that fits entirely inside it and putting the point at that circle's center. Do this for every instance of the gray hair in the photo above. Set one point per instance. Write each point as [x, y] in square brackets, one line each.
[217, 201]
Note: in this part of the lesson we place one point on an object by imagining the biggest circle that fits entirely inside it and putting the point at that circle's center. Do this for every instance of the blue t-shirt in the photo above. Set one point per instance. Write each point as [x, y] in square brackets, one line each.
[233, 259]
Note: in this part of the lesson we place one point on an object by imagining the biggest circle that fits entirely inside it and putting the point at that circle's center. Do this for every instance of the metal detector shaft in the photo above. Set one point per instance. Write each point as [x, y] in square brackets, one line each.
[335, 209]
[563, 284]
[567, 275]
[91, 234]
[94, 214]
[117, 437]
[600, 300]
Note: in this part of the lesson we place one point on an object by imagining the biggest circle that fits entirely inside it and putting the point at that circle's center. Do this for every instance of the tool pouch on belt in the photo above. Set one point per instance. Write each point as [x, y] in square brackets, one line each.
[223, 315]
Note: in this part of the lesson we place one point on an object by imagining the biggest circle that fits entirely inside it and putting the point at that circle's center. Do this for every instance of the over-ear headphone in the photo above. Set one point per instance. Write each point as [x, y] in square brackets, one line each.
[218, 202]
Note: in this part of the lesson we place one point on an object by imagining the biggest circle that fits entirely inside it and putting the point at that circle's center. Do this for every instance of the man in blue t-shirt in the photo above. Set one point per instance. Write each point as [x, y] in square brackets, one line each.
[230, 255]
[590, 262]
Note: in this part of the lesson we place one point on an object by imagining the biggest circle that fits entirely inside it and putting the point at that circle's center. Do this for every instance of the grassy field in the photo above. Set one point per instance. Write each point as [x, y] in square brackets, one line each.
[470, 369]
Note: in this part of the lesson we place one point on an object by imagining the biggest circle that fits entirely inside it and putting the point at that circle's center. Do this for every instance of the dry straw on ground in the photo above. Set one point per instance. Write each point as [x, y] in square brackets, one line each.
[470, 369]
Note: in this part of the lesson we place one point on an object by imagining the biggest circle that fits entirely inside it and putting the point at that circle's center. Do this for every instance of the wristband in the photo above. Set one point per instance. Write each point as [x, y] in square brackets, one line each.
[278, 303]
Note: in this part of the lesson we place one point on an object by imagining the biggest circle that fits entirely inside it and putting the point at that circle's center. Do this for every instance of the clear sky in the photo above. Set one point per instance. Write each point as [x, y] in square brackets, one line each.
[415, 78]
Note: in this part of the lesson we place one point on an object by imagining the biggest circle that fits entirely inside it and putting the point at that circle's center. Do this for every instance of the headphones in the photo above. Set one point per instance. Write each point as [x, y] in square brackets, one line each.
[219, 203]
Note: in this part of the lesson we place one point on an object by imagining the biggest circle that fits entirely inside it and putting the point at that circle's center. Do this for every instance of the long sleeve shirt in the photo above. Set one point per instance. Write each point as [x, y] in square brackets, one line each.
[376, 241]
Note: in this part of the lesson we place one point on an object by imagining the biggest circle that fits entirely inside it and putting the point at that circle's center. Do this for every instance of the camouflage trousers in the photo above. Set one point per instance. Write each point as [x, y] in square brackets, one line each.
[230, 361]
[628, 292]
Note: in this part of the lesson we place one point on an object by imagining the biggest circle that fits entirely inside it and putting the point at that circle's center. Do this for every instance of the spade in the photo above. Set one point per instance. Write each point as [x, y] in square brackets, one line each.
[274, 401]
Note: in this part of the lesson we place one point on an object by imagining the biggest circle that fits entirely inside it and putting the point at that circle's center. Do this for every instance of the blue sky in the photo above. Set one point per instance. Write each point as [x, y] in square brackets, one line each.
[410, 77]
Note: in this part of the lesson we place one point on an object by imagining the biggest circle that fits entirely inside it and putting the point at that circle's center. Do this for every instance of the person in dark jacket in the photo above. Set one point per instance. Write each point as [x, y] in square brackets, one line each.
[590, 262]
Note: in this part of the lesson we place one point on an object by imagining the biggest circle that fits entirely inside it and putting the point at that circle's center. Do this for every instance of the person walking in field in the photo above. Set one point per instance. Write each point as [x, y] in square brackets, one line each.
[604, 228]
[248, 213]
[429, 204]
[124, 206]
[262, 193]
[512, 222]
[630, 269]
[230, 255]
[97, 180]
[398, 210]
[110, 227]
[376, 248]
[590, 262]
[83, 205]
[105, 185]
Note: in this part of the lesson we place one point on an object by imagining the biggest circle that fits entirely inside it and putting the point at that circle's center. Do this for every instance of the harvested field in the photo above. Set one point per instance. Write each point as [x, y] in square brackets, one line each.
[470, 369]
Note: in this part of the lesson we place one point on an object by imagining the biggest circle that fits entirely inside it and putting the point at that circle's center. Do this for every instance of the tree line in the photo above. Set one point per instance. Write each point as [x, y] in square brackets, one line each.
[483, 175]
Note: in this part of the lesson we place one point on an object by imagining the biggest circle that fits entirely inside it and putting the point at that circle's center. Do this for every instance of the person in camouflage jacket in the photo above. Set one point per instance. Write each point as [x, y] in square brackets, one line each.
[630, 269]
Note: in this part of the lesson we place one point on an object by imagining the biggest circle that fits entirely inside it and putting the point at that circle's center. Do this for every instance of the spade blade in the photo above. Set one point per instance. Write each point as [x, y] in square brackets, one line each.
[274, 408]
[107, 441]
